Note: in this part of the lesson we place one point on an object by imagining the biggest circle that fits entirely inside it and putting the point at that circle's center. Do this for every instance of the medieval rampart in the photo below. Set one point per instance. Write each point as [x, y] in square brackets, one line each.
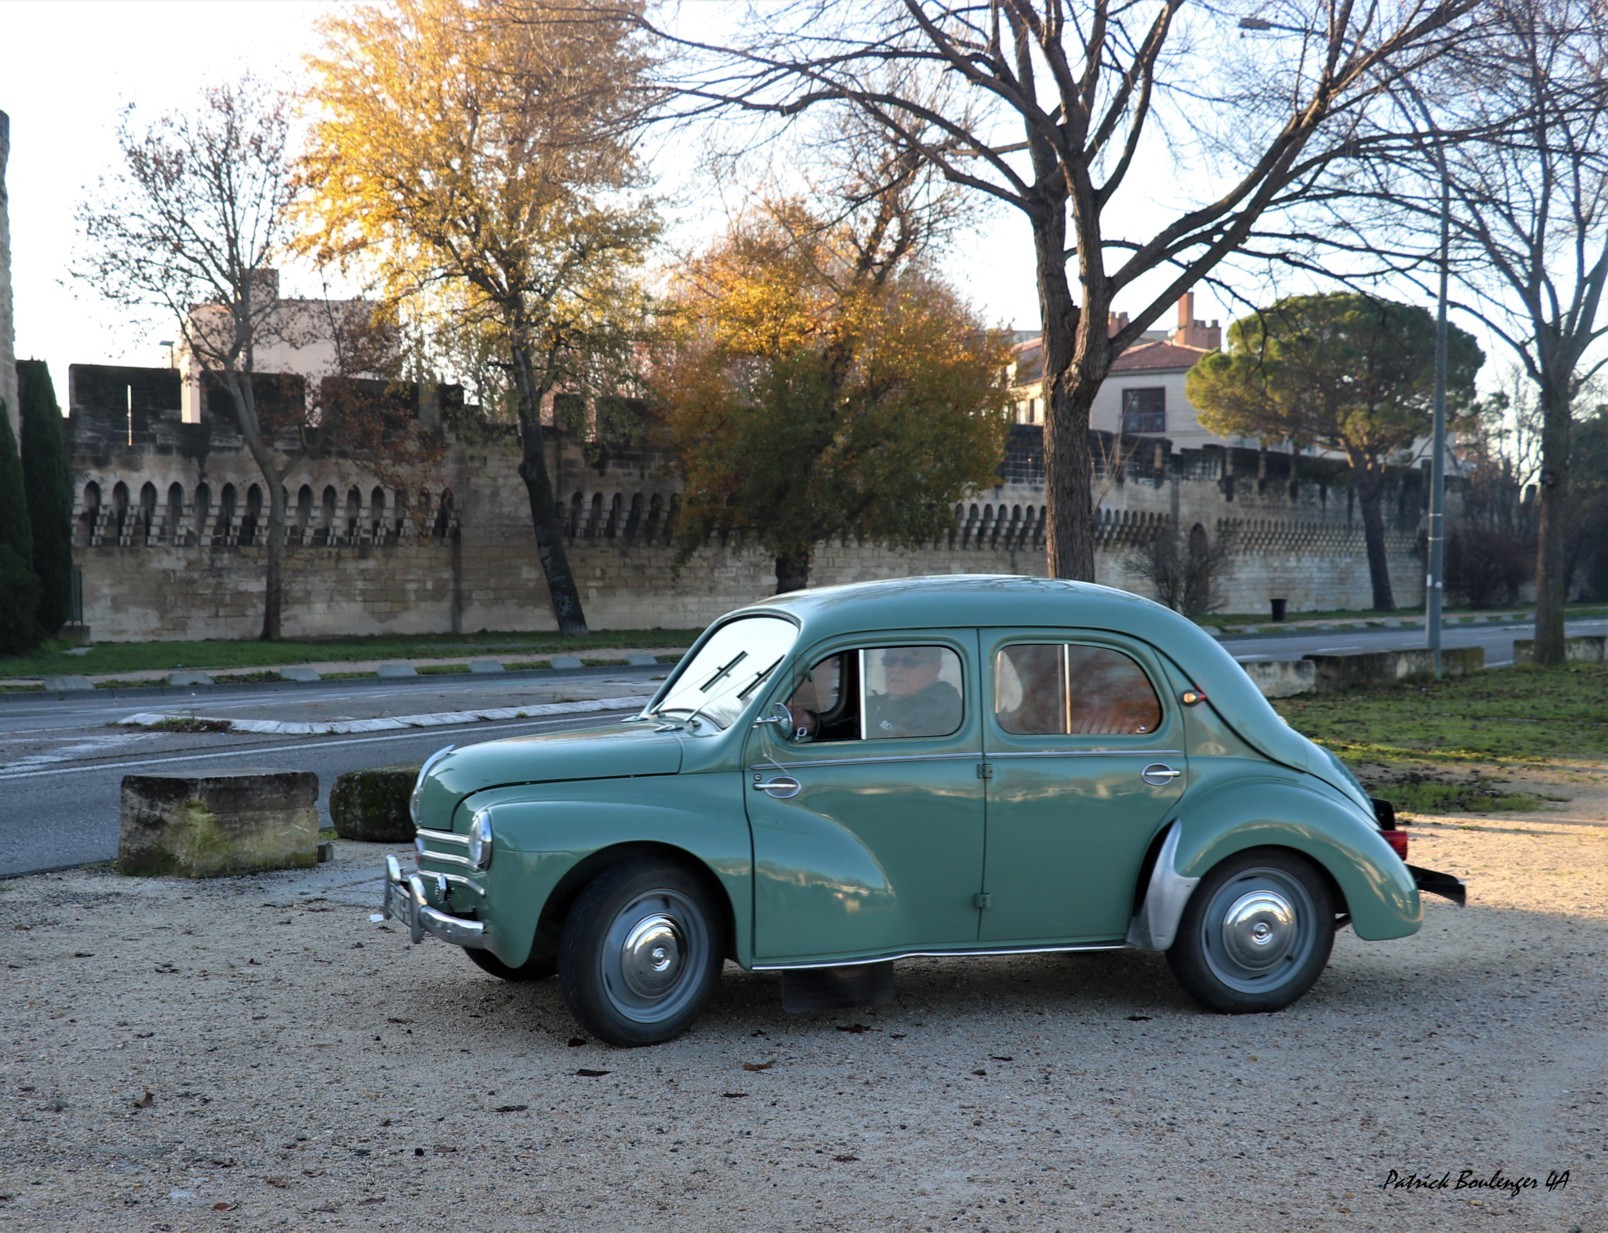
[169, 531]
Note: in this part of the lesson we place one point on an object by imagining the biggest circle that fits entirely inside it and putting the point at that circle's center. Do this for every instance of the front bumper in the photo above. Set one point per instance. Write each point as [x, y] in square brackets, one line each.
[407, 901]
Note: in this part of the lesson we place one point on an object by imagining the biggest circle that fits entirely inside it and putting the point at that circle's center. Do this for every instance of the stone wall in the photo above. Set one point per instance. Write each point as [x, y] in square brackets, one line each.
[168, 531]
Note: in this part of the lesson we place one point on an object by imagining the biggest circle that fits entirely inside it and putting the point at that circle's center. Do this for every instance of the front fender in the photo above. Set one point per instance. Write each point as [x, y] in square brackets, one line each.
[1374, 886]
[540, 842]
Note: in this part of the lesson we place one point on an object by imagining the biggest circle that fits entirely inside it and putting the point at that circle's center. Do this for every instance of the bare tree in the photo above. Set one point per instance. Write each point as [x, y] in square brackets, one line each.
[1057, 110]
[1530, 204]
[192, 223]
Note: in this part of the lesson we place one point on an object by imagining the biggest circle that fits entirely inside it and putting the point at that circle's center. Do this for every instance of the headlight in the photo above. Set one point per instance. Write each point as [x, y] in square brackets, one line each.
[480, 839]
[418, 784]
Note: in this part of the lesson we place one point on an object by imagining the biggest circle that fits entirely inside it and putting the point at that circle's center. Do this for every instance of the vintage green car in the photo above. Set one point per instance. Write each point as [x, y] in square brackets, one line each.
[835, 779]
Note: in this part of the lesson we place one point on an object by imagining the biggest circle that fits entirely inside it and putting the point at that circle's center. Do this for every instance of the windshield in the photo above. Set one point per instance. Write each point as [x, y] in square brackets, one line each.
[720, 680]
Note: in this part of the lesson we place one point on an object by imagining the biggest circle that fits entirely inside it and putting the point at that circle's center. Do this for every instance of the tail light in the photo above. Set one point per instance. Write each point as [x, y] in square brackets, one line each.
[1397, 841]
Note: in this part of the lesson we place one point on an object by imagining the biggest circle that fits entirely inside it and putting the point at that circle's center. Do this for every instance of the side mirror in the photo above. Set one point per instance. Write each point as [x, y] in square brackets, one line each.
[787, 728]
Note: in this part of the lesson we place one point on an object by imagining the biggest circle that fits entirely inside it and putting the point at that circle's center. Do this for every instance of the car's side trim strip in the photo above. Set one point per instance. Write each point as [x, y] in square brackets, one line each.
[1089, 753]
[937, 954]
[769, 764]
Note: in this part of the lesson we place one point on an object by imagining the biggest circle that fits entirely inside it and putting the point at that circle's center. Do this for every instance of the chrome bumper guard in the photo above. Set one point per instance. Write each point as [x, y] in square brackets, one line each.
[406, 901]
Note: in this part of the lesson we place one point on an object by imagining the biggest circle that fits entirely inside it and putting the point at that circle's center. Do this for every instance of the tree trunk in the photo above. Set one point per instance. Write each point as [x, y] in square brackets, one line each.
[561, 588]
[274, 584]
[1070, 384]
[1552, 526]
[793, 571]
[1370, 496]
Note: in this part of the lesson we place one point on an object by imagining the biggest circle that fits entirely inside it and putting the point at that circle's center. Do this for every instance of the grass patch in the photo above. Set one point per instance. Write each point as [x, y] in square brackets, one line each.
[107, 658]
[442, 669]
[1454, 744]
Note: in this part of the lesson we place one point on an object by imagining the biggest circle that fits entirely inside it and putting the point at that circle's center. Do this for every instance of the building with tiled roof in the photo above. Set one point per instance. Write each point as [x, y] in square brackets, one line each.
[1143, 397]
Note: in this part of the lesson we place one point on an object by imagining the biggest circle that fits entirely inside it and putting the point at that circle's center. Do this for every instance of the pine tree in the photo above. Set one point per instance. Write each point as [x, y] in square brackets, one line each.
[48, 486]
[19, 585]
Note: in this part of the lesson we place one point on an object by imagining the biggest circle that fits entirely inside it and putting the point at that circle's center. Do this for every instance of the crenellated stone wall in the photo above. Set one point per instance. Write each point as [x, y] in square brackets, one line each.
[168, 531]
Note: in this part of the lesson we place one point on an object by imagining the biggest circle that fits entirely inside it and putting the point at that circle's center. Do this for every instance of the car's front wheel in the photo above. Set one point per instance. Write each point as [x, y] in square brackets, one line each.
[1255, 934]
[641, 952]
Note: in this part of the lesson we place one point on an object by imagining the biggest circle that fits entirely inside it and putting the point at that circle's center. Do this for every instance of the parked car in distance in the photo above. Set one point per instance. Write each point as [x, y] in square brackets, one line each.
[835, 779]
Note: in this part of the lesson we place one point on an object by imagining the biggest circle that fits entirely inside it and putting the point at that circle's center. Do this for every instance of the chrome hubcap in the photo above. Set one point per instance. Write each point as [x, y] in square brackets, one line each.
[1258, 929]
[652, 957]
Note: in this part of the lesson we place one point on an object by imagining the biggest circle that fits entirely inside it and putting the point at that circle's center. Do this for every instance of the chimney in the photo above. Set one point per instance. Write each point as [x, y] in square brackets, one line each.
[1186, 311]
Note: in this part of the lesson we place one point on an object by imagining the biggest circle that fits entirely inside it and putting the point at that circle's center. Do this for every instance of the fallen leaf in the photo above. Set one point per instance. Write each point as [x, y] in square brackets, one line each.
[1000, 1057]
[845, 1159]
[224, 1207]
[759, 1065]
[732, 1095]
[1138, 1018]
[280, 1182]
[856, 1028]
[575, 1042]
[144, 1102]
[510, 1108]
[591, 1074]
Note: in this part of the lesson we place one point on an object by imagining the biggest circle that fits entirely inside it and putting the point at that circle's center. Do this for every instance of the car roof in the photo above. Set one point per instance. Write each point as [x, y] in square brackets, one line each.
[971, 600]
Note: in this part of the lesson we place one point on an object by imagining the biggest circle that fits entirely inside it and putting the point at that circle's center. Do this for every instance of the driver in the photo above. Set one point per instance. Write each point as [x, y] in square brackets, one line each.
[916, 703]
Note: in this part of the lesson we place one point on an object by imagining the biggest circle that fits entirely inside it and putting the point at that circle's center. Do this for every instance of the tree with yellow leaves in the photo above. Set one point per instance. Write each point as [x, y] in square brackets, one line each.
[824, 385]
[476, 158]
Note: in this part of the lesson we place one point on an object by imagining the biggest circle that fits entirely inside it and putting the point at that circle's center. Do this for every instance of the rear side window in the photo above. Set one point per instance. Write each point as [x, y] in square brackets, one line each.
[1068, 689]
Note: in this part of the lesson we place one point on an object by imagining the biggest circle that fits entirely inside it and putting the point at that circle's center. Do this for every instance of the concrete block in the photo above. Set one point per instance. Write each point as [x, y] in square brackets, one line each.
[641, 659]
[183, 680]
[67, 684]
[566, 661]
[1588, 649]
[300, 674]
[372, 805]
[396, 670]
[222, 822]
[1334, 672]
[1282, 678]
[485, 665]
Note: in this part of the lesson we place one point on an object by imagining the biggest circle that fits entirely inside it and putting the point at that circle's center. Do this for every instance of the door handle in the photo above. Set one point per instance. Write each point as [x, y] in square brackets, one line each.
[1159, 774]
[782, 787]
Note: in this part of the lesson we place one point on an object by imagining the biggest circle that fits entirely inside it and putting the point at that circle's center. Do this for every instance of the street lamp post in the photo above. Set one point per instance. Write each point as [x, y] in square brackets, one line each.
[1435, 577]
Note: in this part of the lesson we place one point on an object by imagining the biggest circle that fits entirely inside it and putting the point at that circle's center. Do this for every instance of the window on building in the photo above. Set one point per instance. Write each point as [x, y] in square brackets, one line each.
[1144, 410]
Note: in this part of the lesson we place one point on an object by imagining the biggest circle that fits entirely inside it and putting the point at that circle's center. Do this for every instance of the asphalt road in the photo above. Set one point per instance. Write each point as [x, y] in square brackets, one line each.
[62, 761]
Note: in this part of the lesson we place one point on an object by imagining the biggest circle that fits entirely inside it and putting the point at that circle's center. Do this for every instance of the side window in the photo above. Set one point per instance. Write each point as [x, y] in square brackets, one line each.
[879, 693]
[1047, 688]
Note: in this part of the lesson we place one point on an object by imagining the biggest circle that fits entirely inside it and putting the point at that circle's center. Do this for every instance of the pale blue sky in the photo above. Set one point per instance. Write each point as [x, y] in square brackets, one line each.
[70, 66]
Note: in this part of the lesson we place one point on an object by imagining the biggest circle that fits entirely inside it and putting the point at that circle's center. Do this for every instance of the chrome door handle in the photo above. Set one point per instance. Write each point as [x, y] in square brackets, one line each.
[782, 787]
[1159, 774]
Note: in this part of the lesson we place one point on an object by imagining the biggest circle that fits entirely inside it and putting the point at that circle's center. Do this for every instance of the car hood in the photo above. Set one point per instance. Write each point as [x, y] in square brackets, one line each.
[619, 750]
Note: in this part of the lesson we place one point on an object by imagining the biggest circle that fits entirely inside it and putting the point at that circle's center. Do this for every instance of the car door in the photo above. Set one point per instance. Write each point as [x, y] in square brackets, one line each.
[1085, 759]
[868, 832]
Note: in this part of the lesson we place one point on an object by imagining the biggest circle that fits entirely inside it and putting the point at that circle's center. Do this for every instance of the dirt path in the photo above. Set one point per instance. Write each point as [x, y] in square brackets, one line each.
[258, 1053]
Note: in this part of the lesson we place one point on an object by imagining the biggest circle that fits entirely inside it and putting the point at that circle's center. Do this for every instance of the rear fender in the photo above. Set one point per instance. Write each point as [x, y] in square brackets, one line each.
[1372, 884]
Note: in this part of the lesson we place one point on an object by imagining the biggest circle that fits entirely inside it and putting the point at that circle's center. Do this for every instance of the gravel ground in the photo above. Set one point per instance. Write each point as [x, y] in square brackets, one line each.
[258, 1053]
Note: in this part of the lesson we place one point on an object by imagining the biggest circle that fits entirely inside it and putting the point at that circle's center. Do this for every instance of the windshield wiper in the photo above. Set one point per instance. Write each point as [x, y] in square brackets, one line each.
[760, 676]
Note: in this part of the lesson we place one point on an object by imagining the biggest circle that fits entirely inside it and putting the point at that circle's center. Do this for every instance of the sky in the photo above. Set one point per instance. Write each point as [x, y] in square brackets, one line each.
[69, 68]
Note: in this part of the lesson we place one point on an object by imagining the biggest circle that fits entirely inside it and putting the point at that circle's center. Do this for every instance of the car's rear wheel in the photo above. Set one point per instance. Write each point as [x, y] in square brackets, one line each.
[1255, 934]
[537, 967]
[641, 953]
